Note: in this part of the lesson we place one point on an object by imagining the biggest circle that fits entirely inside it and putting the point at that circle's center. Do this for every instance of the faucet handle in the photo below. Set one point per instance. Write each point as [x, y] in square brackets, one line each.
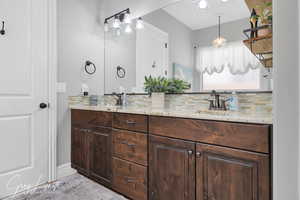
[223, 104]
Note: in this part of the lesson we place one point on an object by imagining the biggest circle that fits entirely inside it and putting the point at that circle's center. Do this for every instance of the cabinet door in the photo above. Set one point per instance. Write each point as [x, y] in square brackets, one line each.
[229, 174]
[79, 150]
[100, 155]
[171, 169]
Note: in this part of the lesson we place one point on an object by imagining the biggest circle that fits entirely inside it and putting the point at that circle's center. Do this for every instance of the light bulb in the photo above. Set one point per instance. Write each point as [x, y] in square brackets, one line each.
[128, 29]
[106, 26]
[139, 23]
[203, 4]
[127, 18]
[116, 23]
[219, 42]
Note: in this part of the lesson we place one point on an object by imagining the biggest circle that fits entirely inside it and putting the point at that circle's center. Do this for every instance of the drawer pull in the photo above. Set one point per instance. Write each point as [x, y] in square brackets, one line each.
[128, 144]
[128, 180]
[130, 122]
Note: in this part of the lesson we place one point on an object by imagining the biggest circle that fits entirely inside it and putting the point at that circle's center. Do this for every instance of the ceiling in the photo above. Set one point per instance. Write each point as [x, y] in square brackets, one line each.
[188, 12]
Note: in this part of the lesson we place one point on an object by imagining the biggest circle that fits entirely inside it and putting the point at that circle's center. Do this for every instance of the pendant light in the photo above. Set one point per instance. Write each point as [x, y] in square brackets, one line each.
[220, 41]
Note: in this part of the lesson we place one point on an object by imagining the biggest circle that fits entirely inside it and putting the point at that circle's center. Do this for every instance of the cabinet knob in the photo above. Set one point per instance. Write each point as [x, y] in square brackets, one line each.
[190, 152]
[198, 154]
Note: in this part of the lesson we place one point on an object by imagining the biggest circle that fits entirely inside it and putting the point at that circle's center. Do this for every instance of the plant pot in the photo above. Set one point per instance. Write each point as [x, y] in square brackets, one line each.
[264, 32]
[158, 100]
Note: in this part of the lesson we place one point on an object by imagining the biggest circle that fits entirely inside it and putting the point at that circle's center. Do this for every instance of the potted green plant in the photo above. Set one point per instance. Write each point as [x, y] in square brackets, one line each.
[158, 86]
[265, 16]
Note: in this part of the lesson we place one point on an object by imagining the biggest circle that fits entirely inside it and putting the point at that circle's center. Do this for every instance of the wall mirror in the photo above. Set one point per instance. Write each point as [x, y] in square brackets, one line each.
[201, 42]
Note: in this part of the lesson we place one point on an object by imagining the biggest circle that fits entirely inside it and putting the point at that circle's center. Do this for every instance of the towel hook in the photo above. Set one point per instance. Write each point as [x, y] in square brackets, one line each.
[2, 31]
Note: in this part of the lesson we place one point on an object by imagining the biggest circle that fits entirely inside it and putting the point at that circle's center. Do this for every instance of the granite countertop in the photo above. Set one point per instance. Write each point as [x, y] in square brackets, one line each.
[230, 116]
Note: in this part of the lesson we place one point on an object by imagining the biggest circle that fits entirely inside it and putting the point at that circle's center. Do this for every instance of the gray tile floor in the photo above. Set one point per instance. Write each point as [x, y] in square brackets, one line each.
[75, 187]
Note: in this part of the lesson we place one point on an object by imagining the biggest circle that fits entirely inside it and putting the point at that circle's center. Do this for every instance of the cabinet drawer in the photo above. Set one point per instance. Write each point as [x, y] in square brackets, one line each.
[130, 122]
[130, 179]
[253, 137]
[94, 118]
[130, 146]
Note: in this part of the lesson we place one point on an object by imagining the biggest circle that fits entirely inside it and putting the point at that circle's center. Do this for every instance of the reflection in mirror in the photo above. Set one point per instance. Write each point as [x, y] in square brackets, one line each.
[204, 47]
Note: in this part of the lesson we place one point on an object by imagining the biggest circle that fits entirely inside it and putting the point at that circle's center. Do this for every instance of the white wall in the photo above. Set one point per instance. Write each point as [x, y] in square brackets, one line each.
[80, 38]
[286, 100]
[120, 51]
[180, 37]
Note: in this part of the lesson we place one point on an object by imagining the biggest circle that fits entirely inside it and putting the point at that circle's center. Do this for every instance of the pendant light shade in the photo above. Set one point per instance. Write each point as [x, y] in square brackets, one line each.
[219, 41]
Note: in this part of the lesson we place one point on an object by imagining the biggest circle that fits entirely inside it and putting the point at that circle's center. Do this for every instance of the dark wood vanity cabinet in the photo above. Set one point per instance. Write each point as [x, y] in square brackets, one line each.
[100, 155]
[91, 145]
[179, 169]
[79, 152]
[230, 174]
[172, 169]
[164, 158]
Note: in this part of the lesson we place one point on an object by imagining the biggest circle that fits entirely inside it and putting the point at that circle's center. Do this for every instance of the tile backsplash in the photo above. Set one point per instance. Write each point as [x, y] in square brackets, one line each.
[248, 102]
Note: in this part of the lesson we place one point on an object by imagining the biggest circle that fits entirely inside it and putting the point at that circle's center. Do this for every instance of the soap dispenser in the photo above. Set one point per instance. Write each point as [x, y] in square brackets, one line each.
[234, 102]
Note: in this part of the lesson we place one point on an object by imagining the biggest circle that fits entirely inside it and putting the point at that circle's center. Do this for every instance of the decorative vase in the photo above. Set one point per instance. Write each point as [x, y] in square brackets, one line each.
[158, 100]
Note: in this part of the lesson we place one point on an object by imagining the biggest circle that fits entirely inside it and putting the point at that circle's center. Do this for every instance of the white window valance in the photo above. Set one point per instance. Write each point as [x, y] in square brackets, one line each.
[235, 55]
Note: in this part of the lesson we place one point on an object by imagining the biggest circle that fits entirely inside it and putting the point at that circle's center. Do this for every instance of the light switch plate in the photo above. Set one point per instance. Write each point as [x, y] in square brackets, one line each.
[61, 87]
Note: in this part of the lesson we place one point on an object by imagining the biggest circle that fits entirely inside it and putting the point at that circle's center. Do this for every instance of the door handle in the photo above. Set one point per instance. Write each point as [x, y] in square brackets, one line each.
[2, 31]
[43, 105]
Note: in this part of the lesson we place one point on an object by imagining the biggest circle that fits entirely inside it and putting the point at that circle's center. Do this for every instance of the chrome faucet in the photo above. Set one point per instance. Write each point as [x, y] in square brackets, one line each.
[120, 99]
[217, 103]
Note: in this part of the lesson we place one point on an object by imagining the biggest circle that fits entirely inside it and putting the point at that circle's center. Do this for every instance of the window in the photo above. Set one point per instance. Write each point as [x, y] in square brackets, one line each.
[227, 81]
[231, 67]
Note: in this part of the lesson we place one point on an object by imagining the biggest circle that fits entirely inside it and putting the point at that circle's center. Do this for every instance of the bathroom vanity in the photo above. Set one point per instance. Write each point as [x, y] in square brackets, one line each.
[155, 157]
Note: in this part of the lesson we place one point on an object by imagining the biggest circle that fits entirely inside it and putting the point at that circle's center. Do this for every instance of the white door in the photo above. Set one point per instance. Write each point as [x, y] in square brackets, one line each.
[152, 54]
[23, 86]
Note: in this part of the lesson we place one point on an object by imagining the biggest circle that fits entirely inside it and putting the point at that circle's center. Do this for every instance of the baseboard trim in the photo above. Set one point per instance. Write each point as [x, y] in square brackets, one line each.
[65, 170]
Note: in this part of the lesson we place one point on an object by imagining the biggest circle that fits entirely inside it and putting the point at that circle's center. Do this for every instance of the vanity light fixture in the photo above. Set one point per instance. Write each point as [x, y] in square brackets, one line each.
[122, 23]
[220, 41]
[203, 4]
[117, 22]
[139, 23]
